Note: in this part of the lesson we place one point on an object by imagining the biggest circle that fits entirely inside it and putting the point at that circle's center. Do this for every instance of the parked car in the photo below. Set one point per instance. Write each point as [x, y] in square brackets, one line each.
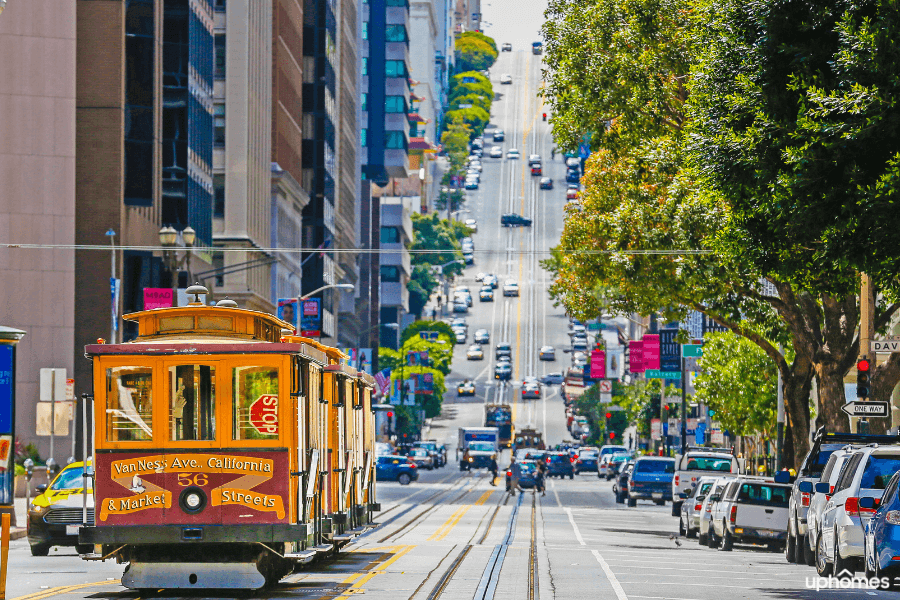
[547, 353]
[56, 513]
[818, 500]
[559, 464]
[546, 183]
[496, 152]
[651, 479]
[882, 536]
[696, 463]
[514, 220]
[438, 452]
[587, 460]
[466, 388]
[824, 444]
[620, 486]
[506, 47]
[865, 475]
[396, 468]
[472, 224]
[475, 353]
[751, 510]
[491, 280]
[512, 153]
[482, 336]
[471, 184]
[704, 530]
[689, 520]
[511, 288]
[614, 465]
[506, 79]
[572, 194]
[555, 378]
[572, 176]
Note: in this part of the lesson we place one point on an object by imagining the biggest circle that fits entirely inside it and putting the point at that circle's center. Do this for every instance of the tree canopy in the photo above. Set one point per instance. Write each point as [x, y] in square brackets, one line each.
[475, 53]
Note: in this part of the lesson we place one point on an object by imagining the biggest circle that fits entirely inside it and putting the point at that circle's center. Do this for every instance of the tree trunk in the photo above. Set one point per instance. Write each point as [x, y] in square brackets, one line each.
[832, 397]
[883, 381]
[797, 383]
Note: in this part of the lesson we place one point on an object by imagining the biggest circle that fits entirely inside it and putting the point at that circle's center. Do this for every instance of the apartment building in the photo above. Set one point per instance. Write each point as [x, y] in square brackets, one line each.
[395, 266]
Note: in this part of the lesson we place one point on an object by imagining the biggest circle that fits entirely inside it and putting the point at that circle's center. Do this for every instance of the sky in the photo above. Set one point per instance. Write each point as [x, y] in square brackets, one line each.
[515, 21]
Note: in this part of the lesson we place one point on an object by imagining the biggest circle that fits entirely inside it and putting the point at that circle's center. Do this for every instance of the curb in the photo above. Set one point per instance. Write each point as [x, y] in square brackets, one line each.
[17, 533]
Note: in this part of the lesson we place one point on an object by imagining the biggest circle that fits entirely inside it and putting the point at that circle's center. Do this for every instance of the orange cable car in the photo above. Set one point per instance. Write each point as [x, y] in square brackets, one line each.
[226, 453]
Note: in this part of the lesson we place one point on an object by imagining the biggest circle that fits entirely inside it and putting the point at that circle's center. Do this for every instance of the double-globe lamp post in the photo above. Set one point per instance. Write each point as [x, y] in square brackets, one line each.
[168, 236]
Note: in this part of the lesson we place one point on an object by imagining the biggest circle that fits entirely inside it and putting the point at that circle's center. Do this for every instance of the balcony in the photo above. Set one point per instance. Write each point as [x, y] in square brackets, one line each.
[394, 294]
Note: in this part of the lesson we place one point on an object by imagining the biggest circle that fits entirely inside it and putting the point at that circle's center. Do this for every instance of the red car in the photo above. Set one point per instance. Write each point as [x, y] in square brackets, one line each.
[536, 170]
[571, 194]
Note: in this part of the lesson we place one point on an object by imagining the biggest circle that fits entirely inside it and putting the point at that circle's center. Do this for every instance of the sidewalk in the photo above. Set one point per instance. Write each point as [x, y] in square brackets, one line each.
[21, 509]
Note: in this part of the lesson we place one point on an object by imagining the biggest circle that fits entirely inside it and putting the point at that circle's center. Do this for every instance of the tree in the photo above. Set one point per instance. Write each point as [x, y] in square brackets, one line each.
[476, 100]
[739, 382]
[444, 331]
[477, 35]
[422, 283]
[474, 54]
[475, 118]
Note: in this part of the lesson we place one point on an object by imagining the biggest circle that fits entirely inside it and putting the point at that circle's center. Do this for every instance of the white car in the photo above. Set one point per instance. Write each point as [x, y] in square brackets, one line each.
[689, 522]
[473, 225]
[476, 166]
[706, 510]
[496, 152]
[866, 474]
[751, 509]
[506, 79]
[511, 288]
[513, 154]
[475, 353]
[818, 499]
[693, 465]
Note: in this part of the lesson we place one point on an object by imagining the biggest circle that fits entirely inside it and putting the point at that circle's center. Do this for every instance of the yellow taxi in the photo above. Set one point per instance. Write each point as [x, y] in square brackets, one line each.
[56, 513]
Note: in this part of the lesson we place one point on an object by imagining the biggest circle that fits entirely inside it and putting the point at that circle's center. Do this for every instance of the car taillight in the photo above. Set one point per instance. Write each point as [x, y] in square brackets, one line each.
[548, 460]
[413, 465]
[893, 517]
[572, 459]
[509, 473]
[698, 507]
[733, 516]
[804, 499]
[676, 481]
[851, 505]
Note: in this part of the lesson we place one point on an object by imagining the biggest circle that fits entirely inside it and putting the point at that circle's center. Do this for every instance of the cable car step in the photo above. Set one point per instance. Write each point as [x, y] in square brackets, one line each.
[225, 575]
[324, 548]
[302, 556]
[343, 537]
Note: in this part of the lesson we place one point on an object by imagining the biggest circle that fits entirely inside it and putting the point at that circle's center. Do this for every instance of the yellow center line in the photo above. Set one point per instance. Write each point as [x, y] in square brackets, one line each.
[353, 589]
[434, 536]
[65, 589]
[515, 401]
[457, 517]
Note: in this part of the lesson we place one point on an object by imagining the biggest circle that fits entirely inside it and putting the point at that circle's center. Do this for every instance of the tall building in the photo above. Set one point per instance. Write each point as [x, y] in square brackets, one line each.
[395, 266]
[144, 145]
[37, 205]
[242, 213]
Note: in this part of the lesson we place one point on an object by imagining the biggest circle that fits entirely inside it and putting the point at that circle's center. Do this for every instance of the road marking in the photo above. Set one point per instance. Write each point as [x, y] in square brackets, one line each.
[616, 586]
[65, 589]
[358, 581]
[454, 519]
[574, 526]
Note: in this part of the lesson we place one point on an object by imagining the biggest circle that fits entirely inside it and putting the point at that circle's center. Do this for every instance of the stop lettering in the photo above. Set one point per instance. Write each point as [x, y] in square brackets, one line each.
[264, 414]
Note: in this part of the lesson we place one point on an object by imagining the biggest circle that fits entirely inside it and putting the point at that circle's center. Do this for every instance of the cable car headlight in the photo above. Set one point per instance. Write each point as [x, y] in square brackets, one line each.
[192, 500]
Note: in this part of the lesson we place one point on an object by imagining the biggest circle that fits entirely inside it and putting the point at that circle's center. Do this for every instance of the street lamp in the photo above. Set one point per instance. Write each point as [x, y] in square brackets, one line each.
[338, 286]
[168, 237]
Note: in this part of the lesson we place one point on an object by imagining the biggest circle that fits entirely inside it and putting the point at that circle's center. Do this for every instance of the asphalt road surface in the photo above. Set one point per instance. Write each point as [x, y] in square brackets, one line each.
[452, 535]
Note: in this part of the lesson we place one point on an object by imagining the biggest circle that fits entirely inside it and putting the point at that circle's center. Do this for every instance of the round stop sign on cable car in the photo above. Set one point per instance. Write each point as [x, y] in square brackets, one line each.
[264, 414]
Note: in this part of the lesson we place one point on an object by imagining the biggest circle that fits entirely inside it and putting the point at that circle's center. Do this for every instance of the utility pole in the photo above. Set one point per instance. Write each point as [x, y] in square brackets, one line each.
[866, 332]
[683, 405]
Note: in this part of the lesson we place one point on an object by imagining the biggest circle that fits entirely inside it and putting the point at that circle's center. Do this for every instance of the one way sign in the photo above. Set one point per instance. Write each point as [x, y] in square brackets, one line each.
[867, 409]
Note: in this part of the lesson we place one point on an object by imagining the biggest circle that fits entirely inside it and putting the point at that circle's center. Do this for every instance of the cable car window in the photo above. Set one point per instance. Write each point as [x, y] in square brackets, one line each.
[129, 404]
[255, 404]
[192, 402]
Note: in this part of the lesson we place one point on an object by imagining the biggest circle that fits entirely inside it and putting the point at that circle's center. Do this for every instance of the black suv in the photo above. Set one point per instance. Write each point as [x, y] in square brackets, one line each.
[514, 220]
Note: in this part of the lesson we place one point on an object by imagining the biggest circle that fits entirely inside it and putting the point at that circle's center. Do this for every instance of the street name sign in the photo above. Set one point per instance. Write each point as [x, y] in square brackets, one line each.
[691, 350]
[885, 346]
[657, 374]
[867, 409]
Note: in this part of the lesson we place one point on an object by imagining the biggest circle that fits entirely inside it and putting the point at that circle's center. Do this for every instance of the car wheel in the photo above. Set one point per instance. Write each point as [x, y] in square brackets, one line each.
[571, 475]
[681, 530]
[823, 567]
[660, 502]
[676, 509]
[711, 540]
[808, 554]
[40, 550]
[404, 478]
[844, 568]
[632, 502]
[790, 547]
[702, 539]
[620, 499]
[84, 548]
[691, 533]
[727, 542]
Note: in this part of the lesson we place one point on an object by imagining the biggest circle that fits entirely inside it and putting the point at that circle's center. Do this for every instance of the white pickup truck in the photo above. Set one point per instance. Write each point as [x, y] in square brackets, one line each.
[699, 462]
[751, 509]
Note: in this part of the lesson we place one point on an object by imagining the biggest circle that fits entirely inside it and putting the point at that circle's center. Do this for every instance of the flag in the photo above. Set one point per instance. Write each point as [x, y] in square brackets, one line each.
[383, 379]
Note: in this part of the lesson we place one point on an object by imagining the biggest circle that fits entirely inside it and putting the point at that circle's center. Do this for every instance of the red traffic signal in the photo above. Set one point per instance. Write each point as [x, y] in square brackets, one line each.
[609, 415]
[862, 365]
[612, 435]
[390, 414]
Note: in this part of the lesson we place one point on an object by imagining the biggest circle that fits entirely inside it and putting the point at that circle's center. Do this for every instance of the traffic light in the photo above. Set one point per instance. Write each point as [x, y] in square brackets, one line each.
[608, 417]
[390, 415]
[612, 435]
[862, 377]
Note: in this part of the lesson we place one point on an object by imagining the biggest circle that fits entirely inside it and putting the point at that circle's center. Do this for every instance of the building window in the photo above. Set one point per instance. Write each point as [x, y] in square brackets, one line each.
[365, 31]
[395, 68]
[395, 140]
[365, 62]
[390, 235]
[364, 138]
[397, 3]
[365, 102]
[219, 196]
[220, 5]
[220, 57]
[390, 273]
[394, 33]
[219, 138]
[395, 104]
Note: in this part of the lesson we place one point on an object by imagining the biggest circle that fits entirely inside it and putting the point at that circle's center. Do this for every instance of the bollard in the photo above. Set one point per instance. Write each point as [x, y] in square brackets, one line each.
[4, 554]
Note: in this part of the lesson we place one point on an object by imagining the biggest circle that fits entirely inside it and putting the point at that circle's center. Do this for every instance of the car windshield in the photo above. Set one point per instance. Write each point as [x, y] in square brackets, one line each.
[655, 466]
[70, 479]
[558, 458]
[879, 470]
[481, 447]
[418, 452]
[587, 454]
[815, 469]
[764, 494]
[706, 463]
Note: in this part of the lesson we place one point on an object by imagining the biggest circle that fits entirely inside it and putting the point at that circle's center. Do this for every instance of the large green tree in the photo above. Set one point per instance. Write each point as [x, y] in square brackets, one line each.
[474, 54]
